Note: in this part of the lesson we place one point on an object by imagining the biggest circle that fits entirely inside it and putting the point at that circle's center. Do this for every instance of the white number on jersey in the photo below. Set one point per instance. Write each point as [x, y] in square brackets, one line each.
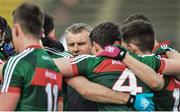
[176, 95]
[49, 91]
[132, 87]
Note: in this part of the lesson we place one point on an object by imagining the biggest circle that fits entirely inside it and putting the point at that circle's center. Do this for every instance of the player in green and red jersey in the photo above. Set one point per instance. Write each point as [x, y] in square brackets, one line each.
[172, 88]
[110, 73]
[141, 43]
[31, 80]
[33, 71]
[106, 71]
[168, 98]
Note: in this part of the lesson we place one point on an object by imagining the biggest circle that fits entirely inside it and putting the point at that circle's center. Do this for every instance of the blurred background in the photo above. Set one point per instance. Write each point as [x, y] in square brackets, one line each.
[164, 14]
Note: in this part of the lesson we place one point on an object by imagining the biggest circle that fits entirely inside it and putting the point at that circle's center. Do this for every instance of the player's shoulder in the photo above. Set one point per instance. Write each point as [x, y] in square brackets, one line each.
[149, 56]
[21, 55]
[84, 56]
[53, 51]
[16, 62]
[81, 58]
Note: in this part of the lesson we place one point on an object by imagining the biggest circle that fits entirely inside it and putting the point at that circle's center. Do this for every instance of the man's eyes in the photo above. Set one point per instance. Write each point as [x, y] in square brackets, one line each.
[83, 43]
[71, 45]
[80, 44]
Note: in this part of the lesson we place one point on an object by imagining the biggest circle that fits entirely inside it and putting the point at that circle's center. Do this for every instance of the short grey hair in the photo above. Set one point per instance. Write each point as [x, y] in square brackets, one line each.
[78, 28]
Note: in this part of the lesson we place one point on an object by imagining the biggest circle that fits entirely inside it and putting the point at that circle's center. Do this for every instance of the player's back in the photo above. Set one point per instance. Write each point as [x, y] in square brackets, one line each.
[36, 78]
[167, 99]
[112, 74]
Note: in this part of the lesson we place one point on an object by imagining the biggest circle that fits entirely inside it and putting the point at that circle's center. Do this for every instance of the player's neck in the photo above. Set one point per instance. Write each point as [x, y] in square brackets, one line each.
[144, 53]
[29, 42]
[156, 43]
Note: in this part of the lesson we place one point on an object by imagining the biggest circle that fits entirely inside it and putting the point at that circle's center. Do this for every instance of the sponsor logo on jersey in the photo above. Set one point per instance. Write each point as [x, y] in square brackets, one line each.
[116, 62]
[50, 75]
[109, 65]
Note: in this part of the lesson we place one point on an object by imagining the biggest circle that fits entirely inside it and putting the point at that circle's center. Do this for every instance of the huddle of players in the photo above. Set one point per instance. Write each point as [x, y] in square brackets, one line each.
[137, 35]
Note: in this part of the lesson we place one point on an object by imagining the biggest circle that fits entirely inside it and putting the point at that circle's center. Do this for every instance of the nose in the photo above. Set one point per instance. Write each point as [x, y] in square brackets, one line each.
[75, 47]
[76, 50]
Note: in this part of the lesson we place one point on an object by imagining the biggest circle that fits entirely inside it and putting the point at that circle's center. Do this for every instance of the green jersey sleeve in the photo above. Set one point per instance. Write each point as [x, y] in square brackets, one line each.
[82, 64]
[12, 76]
[163, 47]
[152, 61]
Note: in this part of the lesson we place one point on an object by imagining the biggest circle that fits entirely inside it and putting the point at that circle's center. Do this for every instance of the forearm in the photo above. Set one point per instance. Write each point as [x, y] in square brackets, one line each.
[104, 95]
[172, 67]
[173, 55]
[8, 101]
[144, 73]
[64, 66]
[176, 56]
[107, 96]
[96, 92]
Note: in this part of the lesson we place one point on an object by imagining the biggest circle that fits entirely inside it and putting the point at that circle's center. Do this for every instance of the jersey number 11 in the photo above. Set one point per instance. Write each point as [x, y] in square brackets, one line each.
[52, 91]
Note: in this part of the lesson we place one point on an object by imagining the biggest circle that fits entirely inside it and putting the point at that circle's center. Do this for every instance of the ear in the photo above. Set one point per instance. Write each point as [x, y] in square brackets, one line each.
[16, 29]
[131, 47]
[96, 46]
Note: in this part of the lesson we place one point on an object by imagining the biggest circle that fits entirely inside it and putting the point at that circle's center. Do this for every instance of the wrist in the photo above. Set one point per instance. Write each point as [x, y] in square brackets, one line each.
[122, 54]
[131, 100]
[126, 58]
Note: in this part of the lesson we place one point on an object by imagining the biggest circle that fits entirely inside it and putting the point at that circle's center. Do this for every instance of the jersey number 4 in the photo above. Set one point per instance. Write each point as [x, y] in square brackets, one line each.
[132, 87]
[52, 91]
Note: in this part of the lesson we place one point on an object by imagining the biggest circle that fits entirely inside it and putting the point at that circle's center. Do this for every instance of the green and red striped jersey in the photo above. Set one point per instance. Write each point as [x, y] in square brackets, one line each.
[167, 99]
[35, 76]
[112, 74]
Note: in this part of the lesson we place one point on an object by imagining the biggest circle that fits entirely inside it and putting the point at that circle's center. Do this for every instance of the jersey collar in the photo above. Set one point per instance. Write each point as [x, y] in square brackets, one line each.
[34, 46]
[167, 42]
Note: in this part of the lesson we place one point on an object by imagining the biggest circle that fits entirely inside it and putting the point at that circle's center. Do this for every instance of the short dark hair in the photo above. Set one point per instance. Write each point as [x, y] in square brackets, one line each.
[30, 18]
[48, 24]
[136, 16]
[139, 32]
[8, 34]
[105, 34]
[3, 25]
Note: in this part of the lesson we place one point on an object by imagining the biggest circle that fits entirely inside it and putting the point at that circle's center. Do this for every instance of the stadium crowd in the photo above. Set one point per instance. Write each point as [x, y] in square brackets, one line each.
[108, 67]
